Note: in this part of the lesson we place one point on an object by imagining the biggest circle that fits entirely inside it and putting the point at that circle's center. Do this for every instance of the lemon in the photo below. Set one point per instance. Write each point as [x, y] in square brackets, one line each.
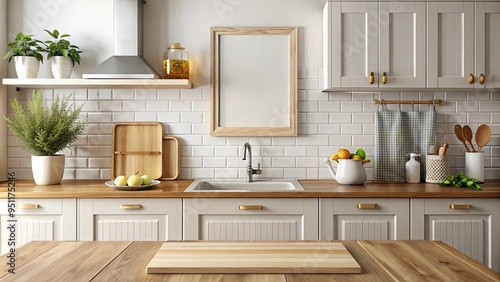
[356, 157]
[335, 157]
[360, 152]
[344, 154]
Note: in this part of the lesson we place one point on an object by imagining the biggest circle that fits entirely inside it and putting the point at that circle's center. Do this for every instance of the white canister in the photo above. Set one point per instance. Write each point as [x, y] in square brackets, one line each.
[474, 165]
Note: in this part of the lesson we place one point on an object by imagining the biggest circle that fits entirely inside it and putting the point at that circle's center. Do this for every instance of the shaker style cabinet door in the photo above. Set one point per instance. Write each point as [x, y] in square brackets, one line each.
[250, 219]
[468, 225]
[364, 219]
[351, 33]
[37, 220]
[450, 36]
[487, 70]
[402, 44]
[130, 219]
[371, 44]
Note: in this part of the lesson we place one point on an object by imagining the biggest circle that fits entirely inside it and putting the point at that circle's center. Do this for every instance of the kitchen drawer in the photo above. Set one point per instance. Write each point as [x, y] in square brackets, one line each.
[35, 206]
[133, 206]
[249, 205]
[369, 205]
[458, 206]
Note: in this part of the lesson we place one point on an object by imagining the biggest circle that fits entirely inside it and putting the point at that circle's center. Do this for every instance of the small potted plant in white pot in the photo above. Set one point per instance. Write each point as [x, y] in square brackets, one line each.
[27, 54]
[62, 54]
[45, 131]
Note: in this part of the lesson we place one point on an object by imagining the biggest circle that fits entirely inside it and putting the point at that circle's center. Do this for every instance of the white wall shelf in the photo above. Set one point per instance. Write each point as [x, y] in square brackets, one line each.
[97, 83]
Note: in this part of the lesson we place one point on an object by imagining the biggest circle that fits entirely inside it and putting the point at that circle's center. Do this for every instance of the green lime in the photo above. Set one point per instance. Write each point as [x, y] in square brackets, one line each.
[360, 152]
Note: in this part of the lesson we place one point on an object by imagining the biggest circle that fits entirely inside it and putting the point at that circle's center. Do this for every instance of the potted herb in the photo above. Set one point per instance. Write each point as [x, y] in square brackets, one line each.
[44, 131]
[62, 53]
[27, 54]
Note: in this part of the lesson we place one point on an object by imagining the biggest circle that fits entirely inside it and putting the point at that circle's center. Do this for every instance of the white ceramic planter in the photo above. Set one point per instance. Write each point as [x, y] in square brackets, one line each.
[26, 66]
[48, 170]
[61, 67]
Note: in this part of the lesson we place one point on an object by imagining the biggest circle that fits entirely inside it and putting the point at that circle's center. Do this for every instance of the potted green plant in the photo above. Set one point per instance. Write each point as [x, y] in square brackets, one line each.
[62, 54]
[45, 131]
[27, 54]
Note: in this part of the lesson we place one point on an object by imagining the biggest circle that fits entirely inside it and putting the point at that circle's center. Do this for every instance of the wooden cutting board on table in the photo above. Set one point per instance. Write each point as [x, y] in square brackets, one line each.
[137, 146]
[253, 257]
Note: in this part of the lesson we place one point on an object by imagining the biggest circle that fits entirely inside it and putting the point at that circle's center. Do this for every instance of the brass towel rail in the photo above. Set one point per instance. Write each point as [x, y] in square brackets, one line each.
[408, 102]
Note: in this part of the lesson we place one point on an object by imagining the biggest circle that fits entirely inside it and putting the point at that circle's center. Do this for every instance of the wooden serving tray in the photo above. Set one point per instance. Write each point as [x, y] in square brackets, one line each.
[253, 257]
[171, 158]
[137, 146]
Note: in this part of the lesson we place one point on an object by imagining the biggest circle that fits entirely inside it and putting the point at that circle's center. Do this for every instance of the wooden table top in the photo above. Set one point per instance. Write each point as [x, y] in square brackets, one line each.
[78, 188]
[127, 261]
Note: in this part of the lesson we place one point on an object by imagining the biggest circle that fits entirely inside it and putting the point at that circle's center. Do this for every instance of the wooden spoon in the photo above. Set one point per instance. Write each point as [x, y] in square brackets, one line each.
[483, 136]
[467, 134]
[459, 134]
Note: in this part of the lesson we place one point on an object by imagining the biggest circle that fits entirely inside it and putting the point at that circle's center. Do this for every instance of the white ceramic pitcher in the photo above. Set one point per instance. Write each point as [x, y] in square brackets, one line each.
[349, 171]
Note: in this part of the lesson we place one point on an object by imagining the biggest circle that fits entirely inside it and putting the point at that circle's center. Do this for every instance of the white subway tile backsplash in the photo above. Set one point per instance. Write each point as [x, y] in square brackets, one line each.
[123, 94]
[180, 106]
[489, 106]
[145, 94]
[326, 123]
[351, 129]
[329, 107]
[295, 151]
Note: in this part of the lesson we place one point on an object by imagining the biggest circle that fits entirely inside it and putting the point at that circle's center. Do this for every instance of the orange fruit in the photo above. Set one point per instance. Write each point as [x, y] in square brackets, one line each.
[344, 154]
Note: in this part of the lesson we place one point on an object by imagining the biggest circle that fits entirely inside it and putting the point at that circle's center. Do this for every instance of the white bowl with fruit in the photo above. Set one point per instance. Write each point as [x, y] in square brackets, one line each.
[133, 182]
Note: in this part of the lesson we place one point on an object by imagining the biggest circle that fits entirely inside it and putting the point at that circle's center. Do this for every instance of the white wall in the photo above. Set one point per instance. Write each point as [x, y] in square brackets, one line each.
[327, 121]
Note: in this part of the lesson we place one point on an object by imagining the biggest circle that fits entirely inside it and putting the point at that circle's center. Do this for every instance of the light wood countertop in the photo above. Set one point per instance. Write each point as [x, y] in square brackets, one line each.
[127, 261]
[313, 189]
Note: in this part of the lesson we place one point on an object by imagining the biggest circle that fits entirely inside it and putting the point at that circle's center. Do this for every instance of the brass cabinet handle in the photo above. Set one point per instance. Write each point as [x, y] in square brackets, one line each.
[29, 206]
[482, 78]
[367, 206]
[460, 207]
[372, 78]
[130, 206]
[251, 207]
[384, 78]
[471, 78]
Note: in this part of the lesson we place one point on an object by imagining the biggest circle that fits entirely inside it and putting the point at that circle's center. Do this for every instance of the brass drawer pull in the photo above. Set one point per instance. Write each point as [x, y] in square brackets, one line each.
[384, 78]
[251, 207]
[130, 206]
[29, 206]
[367, 206]
[460, 207]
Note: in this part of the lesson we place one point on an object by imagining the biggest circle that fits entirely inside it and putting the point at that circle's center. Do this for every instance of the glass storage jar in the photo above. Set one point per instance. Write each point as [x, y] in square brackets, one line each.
[175, 62]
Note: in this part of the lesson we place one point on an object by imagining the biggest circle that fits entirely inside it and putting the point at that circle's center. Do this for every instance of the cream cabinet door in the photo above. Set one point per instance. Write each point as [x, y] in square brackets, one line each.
[130, 219]
[351, 32]
[364, 219]
[487, 44]
[250, 219]
[450, 35]
[37, 220]
[402, 44]
[469, 225]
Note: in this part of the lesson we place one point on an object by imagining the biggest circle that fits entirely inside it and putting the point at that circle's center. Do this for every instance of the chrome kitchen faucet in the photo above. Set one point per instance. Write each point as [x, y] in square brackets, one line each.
[250, 170]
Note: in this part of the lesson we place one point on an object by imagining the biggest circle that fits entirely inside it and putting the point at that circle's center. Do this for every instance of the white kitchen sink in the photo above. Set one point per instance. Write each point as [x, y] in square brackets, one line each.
[240, 185]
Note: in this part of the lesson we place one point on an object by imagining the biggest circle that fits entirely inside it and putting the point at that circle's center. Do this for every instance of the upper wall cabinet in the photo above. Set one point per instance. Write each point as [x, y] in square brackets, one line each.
[374, 45]
[463, 44]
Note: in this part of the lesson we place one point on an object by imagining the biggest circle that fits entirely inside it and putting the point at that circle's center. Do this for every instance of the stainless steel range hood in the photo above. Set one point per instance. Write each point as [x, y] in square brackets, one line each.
[127, 61]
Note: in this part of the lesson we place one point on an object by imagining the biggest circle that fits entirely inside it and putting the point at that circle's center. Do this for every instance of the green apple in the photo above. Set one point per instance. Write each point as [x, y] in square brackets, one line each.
[146, 179]
[134, 180]
[121, 181]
